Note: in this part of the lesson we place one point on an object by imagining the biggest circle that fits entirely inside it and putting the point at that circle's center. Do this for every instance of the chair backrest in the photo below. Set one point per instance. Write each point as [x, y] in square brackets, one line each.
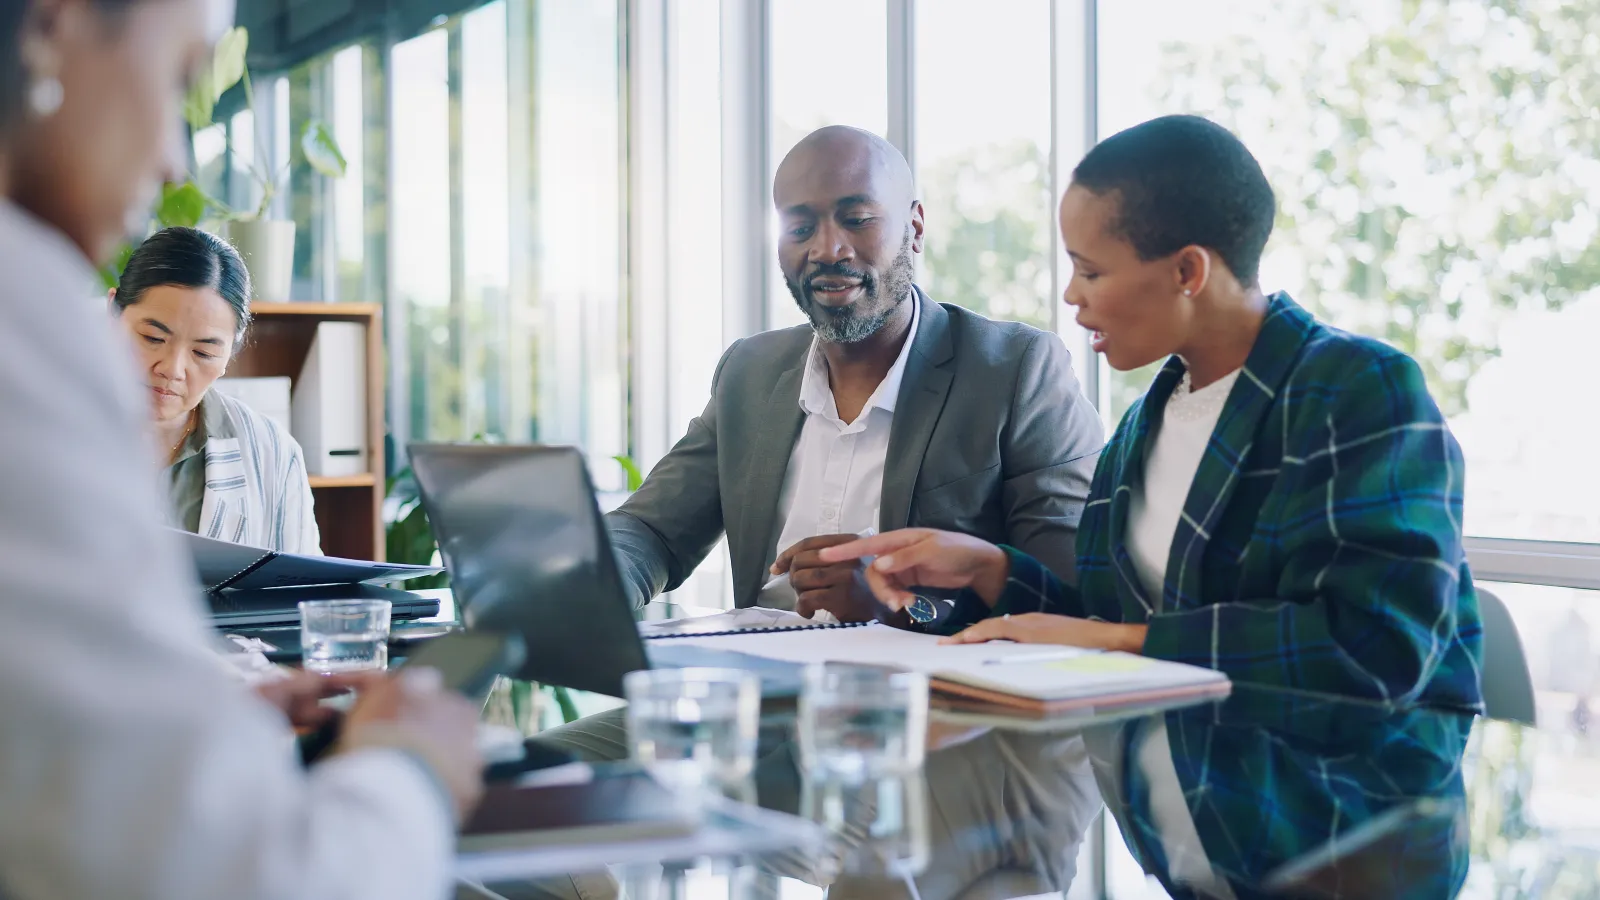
[1507, 683]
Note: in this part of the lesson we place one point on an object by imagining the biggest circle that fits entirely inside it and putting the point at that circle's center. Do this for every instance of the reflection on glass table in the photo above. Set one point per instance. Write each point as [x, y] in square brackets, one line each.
[1281, 793]
[1340, 789]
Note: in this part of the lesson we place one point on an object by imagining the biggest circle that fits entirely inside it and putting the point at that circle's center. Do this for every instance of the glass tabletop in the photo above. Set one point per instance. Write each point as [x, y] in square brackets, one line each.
[1269, 792]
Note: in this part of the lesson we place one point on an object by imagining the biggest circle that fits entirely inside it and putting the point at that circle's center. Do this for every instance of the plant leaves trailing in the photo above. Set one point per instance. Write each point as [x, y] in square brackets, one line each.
[227, 67]
[321, 150]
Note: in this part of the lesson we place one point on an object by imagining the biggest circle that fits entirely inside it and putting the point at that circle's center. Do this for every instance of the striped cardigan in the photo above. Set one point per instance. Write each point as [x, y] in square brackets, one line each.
[256, 488]
[1319, 549]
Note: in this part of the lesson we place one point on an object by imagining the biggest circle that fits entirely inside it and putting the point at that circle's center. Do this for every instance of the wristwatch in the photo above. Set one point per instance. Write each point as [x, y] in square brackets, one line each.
[922, 610]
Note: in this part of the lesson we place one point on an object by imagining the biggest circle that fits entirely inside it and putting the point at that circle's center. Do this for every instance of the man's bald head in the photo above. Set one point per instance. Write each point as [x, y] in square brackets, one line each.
[841, 150]
[850, 222]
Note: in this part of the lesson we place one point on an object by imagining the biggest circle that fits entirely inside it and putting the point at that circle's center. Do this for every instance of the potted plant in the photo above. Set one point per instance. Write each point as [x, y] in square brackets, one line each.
[266, 244]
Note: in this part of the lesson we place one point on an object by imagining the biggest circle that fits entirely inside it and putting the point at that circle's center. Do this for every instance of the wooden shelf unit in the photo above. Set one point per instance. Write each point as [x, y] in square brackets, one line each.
[349, 508]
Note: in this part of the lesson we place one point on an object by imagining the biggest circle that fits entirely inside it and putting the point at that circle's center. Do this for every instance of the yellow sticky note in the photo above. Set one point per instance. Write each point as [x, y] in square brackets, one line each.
[1100, 664]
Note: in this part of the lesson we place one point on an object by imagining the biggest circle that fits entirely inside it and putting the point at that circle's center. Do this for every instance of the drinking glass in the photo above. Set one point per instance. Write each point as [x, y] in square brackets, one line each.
[858, 722]
[694, 728]
[344, 635]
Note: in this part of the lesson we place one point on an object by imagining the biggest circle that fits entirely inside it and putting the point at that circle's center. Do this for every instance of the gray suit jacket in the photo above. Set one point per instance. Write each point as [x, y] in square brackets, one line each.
[991, 437]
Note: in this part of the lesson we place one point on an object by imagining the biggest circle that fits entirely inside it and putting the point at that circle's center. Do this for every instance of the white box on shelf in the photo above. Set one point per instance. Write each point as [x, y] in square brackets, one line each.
[268, 396]
[330, 401]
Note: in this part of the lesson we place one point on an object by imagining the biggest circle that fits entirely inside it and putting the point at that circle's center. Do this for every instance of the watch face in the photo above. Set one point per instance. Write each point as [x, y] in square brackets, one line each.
[922, 611]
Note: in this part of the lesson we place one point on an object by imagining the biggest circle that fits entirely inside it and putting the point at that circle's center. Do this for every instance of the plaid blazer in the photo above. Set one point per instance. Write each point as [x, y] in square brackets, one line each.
[1319, 550]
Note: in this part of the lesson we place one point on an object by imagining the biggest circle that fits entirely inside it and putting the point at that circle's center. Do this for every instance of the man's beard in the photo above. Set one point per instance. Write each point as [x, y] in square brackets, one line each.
[862, 319]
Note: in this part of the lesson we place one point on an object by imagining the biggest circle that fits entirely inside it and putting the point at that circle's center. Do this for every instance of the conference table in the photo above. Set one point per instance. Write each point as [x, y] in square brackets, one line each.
[1269, 792]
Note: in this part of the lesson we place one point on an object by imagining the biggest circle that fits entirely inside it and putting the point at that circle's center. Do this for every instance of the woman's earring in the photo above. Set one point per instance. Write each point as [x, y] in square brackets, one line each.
[45, 96]
[1188, 293]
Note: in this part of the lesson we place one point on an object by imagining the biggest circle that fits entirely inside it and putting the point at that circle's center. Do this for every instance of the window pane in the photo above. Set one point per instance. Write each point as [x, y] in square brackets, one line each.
[694, 234]
[421, 199]
[983, 155]
[830, 66]
[1436, 190]
[1530, 792]
[211, 160]
[303, 188]
[486, 326]
[349, 201]
[244, 189]
[694, 243]
[583, 379]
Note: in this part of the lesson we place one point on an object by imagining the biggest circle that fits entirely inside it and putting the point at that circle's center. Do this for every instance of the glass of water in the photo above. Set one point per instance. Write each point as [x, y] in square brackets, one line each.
[858, 722]
[344, 635]
[694, 728]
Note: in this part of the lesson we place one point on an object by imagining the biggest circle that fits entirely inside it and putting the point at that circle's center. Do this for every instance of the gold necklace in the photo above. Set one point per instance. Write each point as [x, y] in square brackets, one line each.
[187, 430]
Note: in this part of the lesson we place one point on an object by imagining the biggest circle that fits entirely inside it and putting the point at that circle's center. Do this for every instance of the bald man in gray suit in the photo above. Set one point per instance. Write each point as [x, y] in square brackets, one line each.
[888, 410]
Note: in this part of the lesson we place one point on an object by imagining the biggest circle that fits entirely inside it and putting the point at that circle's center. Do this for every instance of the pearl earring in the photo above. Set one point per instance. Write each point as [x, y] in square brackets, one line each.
[1188, 293]
[45, 96]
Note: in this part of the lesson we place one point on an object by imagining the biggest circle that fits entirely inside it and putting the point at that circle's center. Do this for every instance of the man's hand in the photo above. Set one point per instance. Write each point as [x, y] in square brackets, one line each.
[1043, 628]
[299, 695]
[839, 588]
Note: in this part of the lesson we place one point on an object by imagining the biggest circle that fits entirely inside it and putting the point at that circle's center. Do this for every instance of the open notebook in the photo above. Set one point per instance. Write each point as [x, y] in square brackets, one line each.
[1027, 679]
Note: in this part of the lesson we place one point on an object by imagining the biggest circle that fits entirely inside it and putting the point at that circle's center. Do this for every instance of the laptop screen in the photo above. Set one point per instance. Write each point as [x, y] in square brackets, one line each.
[527, 552]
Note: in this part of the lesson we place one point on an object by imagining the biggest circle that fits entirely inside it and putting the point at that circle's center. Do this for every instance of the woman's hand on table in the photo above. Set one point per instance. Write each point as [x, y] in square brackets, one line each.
[924, 557]
[1044, 628]
[412, 710]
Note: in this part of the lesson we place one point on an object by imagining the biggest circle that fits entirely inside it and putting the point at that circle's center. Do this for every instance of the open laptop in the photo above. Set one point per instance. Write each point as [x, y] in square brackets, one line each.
[528, 552]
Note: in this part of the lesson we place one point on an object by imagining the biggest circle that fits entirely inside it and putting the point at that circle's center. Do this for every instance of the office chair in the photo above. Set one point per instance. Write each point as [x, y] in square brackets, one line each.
[1507, 682]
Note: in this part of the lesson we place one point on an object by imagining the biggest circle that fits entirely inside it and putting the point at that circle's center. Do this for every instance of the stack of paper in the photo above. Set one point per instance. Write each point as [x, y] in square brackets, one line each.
[1029, 678]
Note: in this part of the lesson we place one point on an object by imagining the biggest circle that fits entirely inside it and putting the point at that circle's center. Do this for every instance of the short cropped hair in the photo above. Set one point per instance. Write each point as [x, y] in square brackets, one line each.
[1184, 180]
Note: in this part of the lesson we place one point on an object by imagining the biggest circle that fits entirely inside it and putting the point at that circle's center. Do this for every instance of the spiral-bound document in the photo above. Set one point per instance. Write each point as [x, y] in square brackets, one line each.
[755, 620]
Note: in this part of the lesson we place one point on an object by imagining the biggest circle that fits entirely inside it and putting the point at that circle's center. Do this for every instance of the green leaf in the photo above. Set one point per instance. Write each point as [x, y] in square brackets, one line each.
[227, 62]
[569, 709]
[181, 204]
[321, 150]
[631, 468]
[200, 102]
[227, 67]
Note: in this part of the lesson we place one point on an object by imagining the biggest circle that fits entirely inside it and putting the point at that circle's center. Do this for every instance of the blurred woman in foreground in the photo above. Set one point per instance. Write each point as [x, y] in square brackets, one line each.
[131, 765]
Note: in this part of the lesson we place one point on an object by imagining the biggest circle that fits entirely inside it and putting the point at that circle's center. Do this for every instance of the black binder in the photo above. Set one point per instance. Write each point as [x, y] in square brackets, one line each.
[256, 588]
[224, 566]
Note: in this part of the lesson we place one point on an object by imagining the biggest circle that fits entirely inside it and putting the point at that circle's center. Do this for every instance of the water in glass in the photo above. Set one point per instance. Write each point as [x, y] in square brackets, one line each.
[329, 654]
[694, 727]
[861, 721]
[344, 635]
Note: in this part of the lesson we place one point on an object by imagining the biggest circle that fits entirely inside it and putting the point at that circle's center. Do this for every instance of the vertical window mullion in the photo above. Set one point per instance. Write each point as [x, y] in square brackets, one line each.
[1073, 102]
[903, 78]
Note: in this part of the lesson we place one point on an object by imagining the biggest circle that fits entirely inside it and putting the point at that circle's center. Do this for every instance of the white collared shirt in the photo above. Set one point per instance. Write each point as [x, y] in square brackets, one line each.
[835, 476]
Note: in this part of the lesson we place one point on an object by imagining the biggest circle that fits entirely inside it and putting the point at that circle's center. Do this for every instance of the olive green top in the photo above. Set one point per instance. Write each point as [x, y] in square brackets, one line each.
[186, 477]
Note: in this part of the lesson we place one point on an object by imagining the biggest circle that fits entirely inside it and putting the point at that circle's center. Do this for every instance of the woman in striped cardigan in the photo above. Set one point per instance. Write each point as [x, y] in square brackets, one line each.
[230, 472]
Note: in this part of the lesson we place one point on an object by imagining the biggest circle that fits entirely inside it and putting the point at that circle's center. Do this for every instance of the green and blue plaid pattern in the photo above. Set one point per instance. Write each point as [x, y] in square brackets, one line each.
[1319, 549]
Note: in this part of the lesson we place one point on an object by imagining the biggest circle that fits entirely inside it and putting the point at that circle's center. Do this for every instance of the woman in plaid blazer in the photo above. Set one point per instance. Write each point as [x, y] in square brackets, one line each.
[1318, 545]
